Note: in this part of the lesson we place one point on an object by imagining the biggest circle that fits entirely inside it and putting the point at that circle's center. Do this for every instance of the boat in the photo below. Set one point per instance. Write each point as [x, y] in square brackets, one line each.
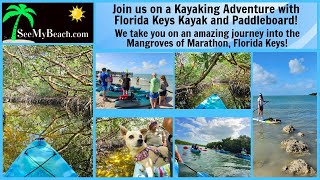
[185, 147]
[117, 88]
[196, 151]
[243, 156]
[268, 120]
[132, 102]
[163, 171]
[223, 151]
[39, 159]
[212, 102]
[112, 94]
[135, 88]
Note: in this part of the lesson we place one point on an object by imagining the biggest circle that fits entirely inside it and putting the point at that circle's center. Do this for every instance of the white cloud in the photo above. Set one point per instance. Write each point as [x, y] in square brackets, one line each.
[216, 129]
[186, 125]
[200, 121]
[162, 62]
[99, 66]
[296, 66]
[98, 55]
[261, 76]
[147, 65]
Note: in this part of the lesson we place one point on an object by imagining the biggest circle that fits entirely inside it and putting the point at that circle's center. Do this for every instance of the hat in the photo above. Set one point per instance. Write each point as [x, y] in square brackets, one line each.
[103, 69]
[260, 94]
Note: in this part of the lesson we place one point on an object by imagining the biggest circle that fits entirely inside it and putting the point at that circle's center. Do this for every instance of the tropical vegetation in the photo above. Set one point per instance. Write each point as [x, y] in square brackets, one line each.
[199, 75]
[47, 93]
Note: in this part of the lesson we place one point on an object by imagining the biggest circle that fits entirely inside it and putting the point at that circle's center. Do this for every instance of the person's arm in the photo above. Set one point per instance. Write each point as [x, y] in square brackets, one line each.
[151, 85]
[178, 156]
[164, 139]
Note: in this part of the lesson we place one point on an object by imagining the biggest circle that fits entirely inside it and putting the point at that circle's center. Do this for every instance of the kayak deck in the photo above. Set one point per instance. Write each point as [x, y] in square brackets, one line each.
[268, 120]
[212, 102]
[163, 171]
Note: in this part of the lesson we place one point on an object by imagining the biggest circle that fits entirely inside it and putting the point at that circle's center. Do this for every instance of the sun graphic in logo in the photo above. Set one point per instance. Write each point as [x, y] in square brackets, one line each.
[76, 13]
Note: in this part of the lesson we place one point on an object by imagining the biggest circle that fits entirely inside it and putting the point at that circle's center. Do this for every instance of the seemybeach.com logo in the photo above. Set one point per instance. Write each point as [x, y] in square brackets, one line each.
[47, 23]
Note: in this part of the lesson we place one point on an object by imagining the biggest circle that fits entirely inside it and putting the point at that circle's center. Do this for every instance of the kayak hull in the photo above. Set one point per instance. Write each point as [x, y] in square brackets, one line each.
[242, 156]
[224, 152]
[212, 102]
[196, 151]
[138, 102]
[268, 121]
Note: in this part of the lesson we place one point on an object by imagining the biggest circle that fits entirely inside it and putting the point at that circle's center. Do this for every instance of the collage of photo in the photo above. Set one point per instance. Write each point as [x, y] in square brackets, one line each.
[51, 94]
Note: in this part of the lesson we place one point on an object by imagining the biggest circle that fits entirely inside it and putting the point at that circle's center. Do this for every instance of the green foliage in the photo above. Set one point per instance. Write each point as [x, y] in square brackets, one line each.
[177, 141]
[47, 71]
[229, 77]
[232, 145]
[70, 135]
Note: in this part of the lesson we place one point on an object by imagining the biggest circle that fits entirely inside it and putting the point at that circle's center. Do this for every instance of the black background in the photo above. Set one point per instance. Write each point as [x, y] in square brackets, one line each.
[53, 16]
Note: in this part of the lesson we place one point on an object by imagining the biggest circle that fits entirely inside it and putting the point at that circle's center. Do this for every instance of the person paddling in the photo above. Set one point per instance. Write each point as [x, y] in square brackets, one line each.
[260, 105]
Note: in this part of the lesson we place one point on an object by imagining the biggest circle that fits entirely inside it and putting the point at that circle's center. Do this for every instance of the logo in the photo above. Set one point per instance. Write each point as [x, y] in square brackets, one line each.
[18, 11]
[47, 23]
[77, 14]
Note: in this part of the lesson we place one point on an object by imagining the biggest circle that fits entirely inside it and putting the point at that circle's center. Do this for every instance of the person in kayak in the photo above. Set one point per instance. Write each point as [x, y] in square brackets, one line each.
[126, 84]
[244, 151]
[155, 136]
[260, 105]
[104, 77]
[195, 146]
[138, 79]
[163, 90]
[154, 89]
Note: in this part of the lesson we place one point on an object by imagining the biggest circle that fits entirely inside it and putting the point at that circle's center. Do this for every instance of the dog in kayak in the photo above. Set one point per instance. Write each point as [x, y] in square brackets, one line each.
[148, 156]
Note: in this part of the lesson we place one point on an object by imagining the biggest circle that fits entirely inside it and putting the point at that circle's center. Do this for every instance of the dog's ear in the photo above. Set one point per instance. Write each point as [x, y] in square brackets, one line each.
[144, 131]
[123, 130]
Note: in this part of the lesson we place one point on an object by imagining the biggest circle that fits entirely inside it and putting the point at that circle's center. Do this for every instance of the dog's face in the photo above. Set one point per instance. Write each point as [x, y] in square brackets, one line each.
[133, 139]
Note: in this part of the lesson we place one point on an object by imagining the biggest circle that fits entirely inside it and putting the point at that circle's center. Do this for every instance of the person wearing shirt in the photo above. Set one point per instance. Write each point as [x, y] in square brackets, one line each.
[154, 90]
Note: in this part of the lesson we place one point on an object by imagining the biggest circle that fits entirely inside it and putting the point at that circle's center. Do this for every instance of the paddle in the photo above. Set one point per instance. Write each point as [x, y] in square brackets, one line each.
[199, 174]
[264, 102]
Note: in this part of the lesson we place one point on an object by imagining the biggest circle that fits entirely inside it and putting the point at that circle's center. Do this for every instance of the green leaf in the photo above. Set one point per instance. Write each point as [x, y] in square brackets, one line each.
[9, 15]
[29, 10]
[14, 7]
[206, 65]
[30, 18]
[22, 6]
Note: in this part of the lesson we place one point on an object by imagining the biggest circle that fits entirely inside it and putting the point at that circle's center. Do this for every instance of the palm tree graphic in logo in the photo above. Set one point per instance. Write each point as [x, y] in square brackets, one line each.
[19, 11]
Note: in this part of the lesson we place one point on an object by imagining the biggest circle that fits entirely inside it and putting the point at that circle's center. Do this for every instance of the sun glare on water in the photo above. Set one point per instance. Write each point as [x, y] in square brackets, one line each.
[76, 13]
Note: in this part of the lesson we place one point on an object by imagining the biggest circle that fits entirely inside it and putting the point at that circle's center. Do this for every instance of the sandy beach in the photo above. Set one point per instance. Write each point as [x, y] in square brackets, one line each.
[144, 84]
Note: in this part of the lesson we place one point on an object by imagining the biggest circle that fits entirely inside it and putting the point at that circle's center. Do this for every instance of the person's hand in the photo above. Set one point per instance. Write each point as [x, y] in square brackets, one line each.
[180, 160]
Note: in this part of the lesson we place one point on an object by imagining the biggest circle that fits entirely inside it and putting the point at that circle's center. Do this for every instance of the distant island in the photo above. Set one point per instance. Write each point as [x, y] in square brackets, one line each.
[313, 94]
[186, 143]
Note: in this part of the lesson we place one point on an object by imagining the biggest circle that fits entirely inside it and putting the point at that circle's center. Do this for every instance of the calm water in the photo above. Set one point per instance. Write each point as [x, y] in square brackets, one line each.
[299, 111]
[213, 163]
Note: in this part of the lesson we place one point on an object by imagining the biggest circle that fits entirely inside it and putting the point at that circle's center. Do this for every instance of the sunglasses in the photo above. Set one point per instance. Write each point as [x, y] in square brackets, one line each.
[154, 122]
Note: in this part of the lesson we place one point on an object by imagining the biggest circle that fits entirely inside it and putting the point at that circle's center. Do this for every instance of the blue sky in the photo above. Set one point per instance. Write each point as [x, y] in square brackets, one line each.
[292, 73]
[205, 130]
[138, 63]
